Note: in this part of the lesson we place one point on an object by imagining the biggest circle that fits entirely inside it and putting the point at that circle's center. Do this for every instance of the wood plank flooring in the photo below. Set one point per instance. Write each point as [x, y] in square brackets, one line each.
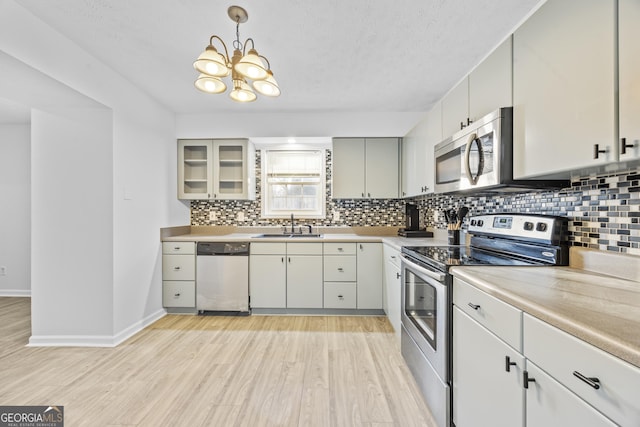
[218, 371]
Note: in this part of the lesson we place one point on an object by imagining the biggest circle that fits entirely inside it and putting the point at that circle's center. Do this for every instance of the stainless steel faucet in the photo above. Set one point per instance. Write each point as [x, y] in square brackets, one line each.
[309, 227]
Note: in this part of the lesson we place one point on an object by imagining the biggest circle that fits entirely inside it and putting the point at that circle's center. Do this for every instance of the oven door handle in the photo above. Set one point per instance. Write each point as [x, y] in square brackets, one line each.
[432, 274]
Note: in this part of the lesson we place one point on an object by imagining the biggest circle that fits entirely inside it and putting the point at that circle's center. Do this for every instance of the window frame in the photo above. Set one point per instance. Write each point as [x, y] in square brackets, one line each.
[267, 212]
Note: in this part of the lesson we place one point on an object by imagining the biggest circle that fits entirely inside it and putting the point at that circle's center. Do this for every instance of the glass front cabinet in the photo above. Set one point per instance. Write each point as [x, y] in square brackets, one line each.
[210, 169]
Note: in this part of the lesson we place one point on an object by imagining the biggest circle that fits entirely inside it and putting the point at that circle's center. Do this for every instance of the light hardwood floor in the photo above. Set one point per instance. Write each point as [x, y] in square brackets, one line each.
[218, 371]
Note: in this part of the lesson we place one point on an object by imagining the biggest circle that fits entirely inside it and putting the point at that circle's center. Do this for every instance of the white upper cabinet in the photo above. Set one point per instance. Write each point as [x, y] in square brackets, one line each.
[417, 154]
[629, 78]
[564, 88]
[216, 169]
[195, 159]
[487, 88]
[455, 108]
[365, 168]
[490, 83]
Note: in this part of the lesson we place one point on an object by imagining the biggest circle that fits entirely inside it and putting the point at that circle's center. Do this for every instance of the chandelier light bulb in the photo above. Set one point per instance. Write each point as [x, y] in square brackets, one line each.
[210, 84]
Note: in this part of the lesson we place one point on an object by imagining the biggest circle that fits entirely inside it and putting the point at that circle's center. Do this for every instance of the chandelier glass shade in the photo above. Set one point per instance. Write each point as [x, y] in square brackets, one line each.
[243, 66]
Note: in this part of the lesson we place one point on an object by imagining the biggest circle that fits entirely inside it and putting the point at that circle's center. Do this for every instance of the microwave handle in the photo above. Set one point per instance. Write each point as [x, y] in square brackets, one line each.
[473, 138]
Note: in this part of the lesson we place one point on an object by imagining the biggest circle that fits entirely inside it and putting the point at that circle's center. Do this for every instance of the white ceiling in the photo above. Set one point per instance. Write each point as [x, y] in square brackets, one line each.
[328, 56]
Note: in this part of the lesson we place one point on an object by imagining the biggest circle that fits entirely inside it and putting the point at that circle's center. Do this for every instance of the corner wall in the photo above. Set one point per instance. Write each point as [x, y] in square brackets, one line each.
[15, 210]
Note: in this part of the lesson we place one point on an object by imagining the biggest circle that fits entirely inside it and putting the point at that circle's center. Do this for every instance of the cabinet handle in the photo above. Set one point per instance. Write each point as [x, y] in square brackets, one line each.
[469, 121]
[361, 248]
[526, 380]
[461, 125]
[624, 145]
[362, 194]
[340, 269]
[474, 306]
[398, 275]
[597, 151]
[340, 249]
[176, 295]
[368, 194]
[282, 259]
[176, 268]
[508, 364]
[340, 297]
[289, 260]
[177, 248]
[393, 257]
[592, 381]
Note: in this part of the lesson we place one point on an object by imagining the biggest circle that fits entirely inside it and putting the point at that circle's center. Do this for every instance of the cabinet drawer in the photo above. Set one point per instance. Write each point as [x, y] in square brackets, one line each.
[178, 267]
[268, 248]
[339, 295]
[340, 268]
[561, 354]
[339, 248]
[304, 248]
[499, 317]
[391, 255]
[183, 248]
[178, 294]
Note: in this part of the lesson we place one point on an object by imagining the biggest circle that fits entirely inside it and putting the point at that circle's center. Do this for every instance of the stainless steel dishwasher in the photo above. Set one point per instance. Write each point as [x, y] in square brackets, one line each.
[222, 277]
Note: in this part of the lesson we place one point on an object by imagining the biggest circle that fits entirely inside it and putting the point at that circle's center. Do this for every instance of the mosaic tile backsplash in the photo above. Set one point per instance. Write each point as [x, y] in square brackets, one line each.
[603, 210]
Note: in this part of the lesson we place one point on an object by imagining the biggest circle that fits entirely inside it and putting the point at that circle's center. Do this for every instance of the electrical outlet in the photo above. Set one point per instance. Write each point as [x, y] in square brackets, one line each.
[213, 216]
[336, 215]
[240, 216]
[3, 271]
[436, 216]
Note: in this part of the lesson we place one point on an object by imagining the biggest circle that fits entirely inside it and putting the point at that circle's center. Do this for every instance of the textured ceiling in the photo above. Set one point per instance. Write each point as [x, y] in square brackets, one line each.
[328, 56]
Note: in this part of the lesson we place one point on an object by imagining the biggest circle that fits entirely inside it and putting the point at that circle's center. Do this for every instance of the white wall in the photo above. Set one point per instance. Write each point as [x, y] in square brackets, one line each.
[72, 225]
[15, 209]
[295, 124]
[141, 160]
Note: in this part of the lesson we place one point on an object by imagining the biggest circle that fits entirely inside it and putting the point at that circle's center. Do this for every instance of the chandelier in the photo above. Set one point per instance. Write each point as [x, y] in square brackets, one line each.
[243, 66]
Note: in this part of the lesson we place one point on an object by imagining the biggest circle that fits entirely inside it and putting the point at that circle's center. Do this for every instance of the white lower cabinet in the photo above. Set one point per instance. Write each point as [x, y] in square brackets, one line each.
[550, 378]
[549, 403]
[304, 281]
[369, 276]
[392, 288]
[268, 280]
[178, 275]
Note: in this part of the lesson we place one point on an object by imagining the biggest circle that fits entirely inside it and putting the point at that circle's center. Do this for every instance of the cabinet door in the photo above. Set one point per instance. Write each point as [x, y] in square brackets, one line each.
[490, 83]
[304, 281]
[392, 288]
[268, 281]
[381, 168]
[550, 404]
[563, 87]
[195, 159]
[455, 108]
[417, 154]
[484, 392]
[348, 168]
[369, 275]
[629, 77]
[231, 169]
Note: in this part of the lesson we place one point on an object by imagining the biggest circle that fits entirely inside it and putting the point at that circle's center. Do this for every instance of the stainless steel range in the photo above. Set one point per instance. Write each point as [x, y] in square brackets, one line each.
[498, 239]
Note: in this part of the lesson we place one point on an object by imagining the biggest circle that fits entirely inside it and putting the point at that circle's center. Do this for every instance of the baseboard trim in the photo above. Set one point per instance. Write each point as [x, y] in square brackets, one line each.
[94, 340]
[15, 292]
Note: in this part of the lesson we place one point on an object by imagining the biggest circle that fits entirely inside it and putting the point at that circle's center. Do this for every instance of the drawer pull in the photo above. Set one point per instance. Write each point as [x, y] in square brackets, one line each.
[508, 364]
[474, 306]
[340, 249]
[592, 381]
[176, 268]
[526, 379]
[177, 248]
[176, 295]
[340, 297]
[340, 269]
[393, 257]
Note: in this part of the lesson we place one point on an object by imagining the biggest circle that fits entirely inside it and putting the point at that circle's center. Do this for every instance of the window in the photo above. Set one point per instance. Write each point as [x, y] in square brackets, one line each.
[293, 181]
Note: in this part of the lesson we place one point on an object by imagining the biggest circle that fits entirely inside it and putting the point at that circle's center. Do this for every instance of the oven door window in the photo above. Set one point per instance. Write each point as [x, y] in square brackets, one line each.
[420, 306]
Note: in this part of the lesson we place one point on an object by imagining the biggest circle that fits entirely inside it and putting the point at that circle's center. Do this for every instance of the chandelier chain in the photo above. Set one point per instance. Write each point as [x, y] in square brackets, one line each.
[236, 43]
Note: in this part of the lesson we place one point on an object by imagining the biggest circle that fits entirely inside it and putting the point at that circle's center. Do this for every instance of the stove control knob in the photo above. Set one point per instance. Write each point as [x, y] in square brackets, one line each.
[473, 222]
[480, 222]
[528, 226]
[541, 226]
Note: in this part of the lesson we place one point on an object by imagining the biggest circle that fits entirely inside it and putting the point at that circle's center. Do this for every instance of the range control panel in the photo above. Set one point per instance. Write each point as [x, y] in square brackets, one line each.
[534, 228]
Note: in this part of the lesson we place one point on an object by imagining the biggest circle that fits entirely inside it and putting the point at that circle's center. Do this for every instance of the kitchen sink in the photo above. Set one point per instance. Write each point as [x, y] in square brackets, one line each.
[288, 235]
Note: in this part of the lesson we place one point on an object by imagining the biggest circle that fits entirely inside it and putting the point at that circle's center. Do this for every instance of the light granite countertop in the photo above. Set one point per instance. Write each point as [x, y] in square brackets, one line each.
[329, 234]
[600, 309]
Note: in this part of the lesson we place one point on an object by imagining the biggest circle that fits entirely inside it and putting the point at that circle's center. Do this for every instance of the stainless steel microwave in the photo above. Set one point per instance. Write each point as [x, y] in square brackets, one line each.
[479, 158]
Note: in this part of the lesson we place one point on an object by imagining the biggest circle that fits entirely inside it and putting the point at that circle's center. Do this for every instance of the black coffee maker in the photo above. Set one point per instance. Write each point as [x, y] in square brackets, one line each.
[412, 223]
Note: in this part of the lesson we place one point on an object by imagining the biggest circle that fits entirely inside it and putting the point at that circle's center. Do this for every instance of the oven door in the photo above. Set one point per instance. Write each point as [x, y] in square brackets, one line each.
[425, 313]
